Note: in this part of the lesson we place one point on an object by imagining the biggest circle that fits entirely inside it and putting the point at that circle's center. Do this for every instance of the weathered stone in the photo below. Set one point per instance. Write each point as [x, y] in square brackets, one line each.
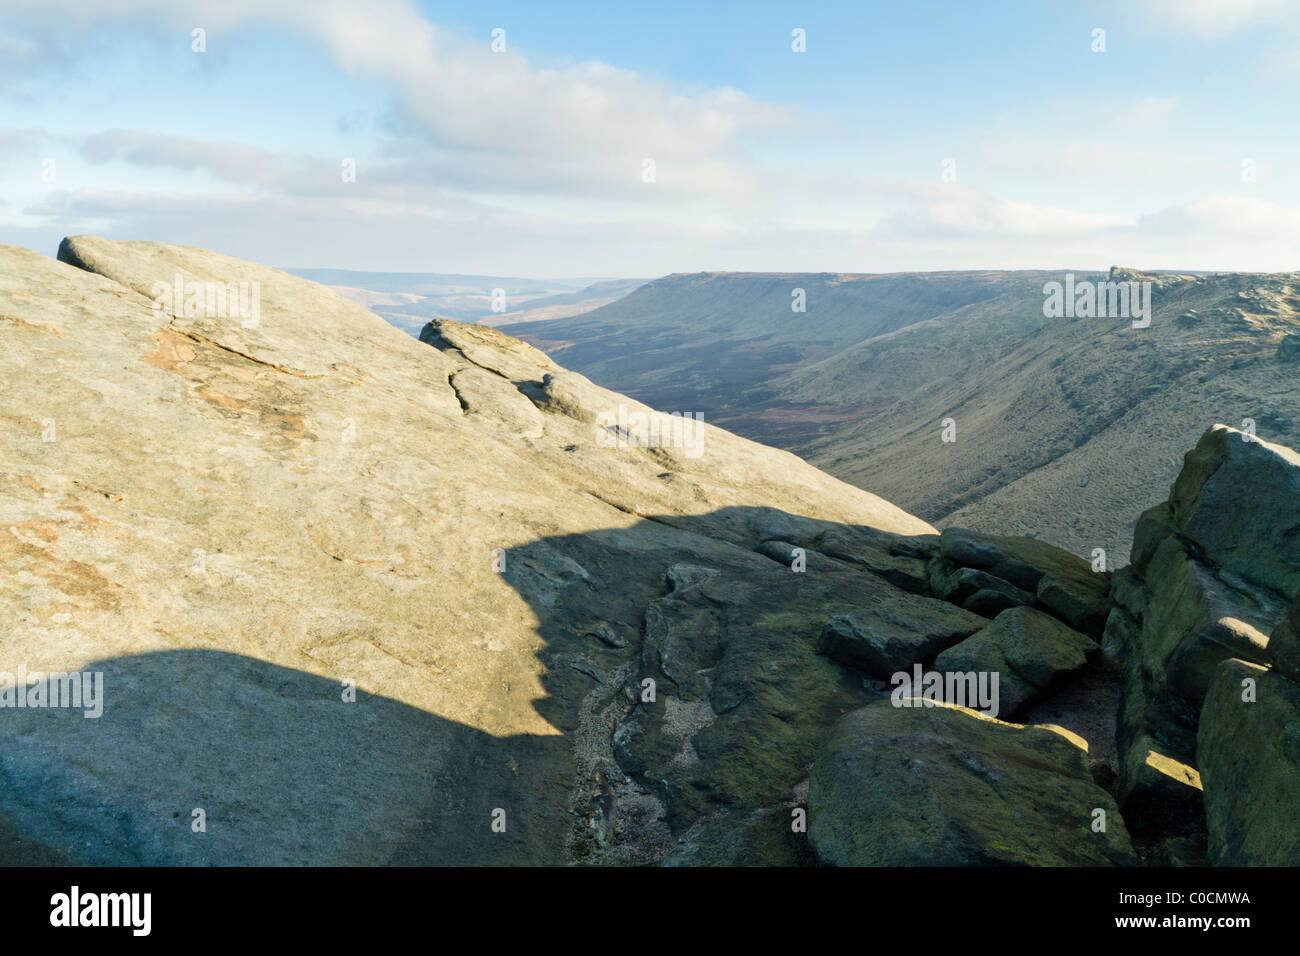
[943, 786]
[1159, 793]
[883, 640]
[875, 555]
[1127, 592]
[1238, 499]
[1153, 526]
[1249, 757]
[1120, 636]
[990, 602]
[921, 546]
[1031, 652]
[1063, 583]
[1080, 599]
[607, 635]
[958, 584]
[1020, 560]
[1195, 620]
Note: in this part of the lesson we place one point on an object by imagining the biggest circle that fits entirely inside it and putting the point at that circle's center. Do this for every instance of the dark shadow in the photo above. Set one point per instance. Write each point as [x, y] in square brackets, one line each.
[288, 773]
[285, 771]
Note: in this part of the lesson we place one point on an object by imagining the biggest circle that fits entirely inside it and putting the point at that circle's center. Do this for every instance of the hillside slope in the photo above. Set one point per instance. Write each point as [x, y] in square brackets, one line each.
[1066, 428]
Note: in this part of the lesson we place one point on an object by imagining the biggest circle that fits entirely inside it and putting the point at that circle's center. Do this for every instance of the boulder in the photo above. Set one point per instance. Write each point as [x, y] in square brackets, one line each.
[1237, 499]
[879, 555]
[1079, 598]
[1153, 526]
[881, 641]
[1155, 738]
[922, 546]
[990, 602]
[958, 584]
[1208, 583]
[945, 786]
[1249, 756]
[1120, 635]
[1159, 794]
[1021, 560]
[1032, 653]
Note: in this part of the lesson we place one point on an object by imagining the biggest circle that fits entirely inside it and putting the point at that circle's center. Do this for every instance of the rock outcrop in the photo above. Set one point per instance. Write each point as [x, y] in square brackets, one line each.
[1248, 749]
[945, 786]
[1214, 570]
[1022, 571]
[236, 518]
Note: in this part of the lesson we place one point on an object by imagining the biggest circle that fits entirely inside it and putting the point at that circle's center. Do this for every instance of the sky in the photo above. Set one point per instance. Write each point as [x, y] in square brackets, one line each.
[602, 139]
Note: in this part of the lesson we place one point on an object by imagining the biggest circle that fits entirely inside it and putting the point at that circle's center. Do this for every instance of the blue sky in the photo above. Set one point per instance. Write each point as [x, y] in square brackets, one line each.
[531, 161]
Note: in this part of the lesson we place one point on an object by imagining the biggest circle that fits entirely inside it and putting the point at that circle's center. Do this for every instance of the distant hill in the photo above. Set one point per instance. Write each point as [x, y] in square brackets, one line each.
[1066, 428]
[409, 300]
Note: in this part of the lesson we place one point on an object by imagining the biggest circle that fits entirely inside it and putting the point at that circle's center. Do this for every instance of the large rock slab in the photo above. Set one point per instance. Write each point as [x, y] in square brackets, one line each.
[445, 526]
[886, 638]
[944, 786]
[1238, 498]
[1249, 756]
[1161, 795]
[890, 557]
[1032, 653]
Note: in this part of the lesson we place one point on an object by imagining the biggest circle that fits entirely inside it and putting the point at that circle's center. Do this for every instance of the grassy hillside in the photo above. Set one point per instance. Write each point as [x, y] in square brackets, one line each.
[1066, 428]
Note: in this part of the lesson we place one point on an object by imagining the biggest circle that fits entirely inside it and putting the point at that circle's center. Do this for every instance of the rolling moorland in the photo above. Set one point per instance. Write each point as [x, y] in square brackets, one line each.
[408, 300]
[358, 598]
[1066, 428]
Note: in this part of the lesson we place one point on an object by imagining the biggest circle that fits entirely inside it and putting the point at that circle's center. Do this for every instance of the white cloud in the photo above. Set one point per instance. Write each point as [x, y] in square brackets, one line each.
[1216, 19]
[507, 166]
[230, 161]
[969, 231]
[966, 212]
[1231, 216]
[1148, 112]
[464, 96]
